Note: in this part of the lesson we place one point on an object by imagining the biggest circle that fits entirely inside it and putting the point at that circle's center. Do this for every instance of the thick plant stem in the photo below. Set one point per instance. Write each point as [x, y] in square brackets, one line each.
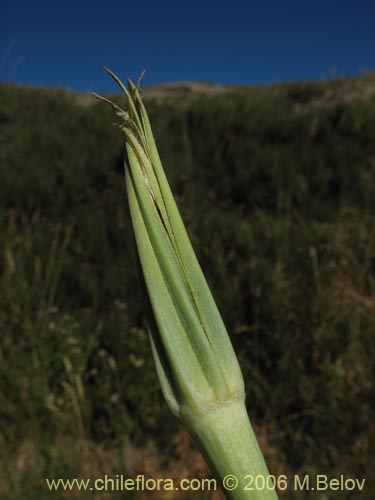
[227, 441]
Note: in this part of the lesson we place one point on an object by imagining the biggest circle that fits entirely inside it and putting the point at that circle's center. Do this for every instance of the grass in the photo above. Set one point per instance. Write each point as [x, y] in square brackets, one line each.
[276, 187]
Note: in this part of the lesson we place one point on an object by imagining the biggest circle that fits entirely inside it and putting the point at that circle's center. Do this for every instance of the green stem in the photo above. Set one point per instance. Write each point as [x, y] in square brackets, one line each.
[227, 441]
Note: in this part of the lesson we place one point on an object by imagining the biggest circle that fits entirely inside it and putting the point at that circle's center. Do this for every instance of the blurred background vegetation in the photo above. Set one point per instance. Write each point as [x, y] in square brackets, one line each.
[276, 187]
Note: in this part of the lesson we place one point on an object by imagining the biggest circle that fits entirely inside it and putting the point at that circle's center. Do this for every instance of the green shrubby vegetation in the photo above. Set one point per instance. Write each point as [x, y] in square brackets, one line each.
[276, 187]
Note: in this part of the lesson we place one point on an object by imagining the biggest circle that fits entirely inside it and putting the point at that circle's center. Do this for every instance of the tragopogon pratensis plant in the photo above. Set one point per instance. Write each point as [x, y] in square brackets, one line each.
[198, 370]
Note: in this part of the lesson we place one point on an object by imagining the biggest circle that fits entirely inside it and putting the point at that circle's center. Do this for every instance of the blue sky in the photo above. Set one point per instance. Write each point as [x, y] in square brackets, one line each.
[63, 42]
